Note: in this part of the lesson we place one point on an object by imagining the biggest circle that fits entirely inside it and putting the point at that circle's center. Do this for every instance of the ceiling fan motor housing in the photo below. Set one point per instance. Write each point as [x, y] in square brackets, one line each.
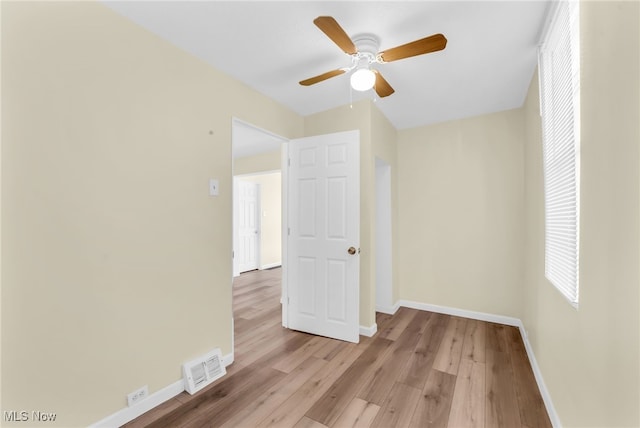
[367, 45]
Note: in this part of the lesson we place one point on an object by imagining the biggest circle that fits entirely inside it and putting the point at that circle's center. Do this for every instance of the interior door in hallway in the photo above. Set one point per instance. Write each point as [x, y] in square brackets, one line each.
[324, 233]
[248, 225]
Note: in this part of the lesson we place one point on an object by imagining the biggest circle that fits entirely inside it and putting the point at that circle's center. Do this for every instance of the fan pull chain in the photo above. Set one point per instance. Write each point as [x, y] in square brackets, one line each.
[350, 97]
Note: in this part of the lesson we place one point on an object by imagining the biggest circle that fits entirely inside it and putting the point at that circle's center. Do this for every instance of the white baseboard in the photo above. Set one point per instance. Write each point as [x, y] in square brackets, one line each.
[500, 319]
[228, 359]
[388, 309]
[128, 414]
[546, 397]
[270, 265]
[368, 331]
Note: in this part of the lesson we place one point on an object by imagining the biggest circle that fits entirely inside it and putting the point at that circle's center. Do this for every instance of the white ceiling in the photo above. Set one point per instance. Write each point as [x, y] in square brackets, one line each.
[270, 46]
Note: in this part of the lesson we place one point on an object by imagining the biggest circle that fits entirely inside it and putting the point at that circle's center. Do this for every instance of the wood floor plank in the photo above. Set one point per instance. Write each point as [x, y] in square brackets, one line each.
[474, 344]
[377, 387]
[381, 319]
[271, 399]
[432, 337]
[448, 357]
[246, 325]
[259, 309]
[293, 360]
[330, 350]
[496, 338]
[253, 333]
[273, 339]
[329, 407]
[228, 407]
[434, 405]
[501, 406]
[532, 409]
[290, 412]
[222, 400]
[394, 327]
[305, 422]
[398, 407]
[468, 404]
[358, 414]
[417, 369]
[253, 295]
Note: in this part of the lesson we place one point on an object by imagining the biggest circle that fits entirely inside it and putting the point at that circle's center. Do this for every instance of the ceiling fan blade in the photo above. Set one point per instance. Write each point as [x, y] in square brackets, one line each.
[382, 87]
[434, 43]
[321, 77]
[334, 31]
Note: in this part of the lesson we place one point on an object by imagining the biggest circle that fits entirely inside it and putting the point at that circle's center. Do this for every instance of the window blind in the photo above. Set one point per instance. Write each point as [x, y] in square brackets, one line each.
[559, 68]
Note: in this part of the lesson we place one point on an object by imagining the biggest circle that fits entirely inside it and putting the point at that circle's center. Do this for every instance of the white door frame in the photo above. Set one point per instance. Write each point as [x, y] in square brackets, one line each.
[284, 161]
[284, 141]
[384, 239]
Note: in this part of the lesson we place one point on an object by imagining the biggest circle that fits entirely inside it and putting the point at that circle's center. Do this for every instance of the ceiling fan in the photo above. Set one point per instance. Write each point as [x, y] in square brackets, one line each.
[363, 50]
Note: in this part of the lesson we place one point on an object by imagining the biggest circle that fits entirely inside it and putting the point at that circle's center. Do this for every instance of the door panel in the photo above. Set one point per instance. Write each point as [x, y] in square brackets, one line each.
[248, 227]
[324, 213]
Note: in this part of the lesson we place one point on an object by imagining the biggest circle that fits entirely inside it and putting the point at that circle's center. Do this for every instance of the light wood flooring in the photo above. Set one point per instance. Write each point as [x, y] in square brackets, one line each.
[421, 369]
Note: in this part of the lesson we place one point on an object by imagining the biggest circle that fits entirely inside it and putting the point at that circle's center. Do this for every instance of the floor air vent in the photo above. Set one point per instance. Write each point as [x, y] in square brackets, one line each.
[202, 371]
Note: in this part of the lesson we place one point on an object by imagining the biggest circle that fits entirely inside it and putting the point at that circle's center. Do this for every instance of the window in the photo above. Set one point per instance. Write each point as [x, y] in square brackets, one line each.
[559, 68]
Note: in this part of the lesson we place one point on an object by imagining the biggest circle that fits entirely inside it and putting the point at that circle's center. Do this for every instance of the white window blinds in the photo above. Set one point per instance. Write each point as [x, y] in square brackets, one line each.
[559, 68]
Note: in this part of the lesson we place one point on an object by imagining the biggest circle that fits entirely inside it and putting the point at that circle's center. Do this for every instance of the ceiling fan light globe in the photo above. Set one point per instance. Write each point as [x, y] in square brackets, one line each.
[363, 79]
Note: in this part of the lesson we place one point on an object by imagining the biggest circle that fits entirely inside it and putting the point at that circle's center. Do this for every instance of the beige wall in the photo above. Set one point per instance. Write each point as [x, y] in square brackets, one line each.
[270, 217]
[461, 209]
[589, 357]
[116, 262]
[263, 162]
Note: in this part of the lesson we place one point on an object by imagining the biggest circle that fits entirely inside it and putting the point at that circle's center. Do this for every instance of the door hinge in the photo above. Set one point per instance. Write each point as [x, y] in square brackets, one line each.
[288, 231]
[289, 161]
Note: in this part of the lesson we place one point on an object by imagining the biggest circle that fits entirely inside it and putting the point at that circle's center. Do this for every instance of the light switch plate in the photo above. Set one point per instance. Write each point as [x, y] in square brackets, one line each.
[214, 186]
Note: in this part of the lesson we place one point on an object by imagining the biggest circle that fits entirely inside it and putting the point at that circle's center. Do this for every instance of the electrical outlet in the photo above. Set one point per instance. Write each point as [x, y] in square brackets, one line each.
[138, 395]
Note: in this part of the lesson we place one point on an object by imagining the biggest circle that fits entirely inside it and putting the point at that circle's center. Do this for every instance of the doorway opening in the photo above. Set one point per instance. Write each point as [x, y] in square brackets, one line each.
[255, 152]
[257, 193]
[384, 291]
[258, 220]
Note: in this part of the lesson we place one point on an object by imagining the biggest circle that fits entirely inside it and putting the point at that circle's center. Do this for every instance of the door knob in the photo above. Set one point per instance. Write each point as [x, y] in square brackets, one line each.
[351, 250]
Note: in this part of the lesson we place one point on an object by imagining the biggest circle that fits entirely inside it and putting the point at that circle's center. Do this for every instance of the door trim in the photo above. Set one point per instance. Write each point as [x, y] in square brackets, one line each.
[284, 299]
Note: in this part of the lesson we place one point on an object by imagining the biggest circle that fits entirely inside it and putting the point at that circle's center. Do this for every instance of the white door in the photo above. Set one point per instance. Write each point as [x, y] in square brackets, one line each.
[248, 227]
[324, 233]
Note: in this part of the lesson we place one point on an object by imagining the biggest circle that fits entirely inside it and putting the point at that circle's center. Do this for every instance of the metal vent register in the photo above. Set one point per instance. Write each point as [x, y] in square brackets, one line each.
[203, 371]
